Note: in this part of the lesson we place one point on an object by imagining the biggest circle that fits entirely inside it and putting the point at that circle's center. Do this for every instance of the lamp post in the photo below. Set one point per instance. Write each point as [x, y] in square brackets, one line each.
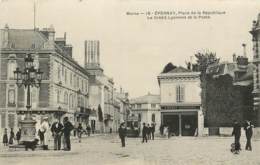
[29, 77]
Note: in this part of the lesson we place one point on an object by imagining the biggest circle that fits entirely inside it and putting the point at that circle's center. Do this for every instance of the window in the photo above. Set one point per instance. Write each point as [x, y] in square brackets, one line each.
[153, 105]
[153, 118]
[59, 72]
[139, 105]
[179, 93]
[133, 106]
[82, 85]
[139, 117]
[58, 96]
[11, 97]
[66, 98]
[65, 76]
[77, 82]
[71, 81]
[11, 68]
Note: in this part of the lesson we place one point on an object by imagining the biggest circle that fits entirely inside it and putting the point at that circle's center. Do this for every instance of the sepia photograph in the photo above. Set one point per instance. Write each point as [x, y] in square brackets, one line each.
[129, 82]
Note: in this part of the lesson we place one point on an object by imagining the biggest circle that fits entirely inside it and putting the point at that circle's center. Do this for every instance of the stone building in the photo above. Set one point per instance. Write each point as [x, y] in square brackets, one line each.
[147, 108]
[256, 60]
[124, 104]
[64, 86]
[101, 89]
[181, 102]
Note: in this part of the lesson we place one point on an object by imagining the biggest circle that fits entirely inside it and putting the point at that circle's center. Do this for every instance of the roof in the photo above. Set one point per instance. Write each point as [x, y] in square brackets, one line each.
[227, 68]
[25, 38]
[179, 69]
[33, 39]
[149, 98]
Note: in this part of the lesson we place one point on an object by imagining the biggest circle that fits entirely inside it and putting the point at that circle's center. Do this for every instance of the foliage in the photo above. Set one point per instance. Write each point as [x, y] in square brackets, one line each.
[203, 60]
[168, 67]
[226, 102]
[100, 113]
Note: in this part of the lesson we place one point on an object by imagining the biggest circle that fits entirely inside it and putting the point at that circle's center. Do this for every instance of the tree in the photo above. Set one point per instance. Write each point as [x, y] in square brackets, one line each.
[100, 114]
[203, 60]
[168, 67]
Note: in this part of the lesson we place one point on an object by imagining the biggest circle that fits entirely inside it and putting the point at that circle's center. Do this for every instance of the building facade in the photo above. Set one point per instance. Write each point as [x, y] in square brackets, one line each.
[147, 108]
[64, 86]
[256, 60]
[181, 102]
[101, 89]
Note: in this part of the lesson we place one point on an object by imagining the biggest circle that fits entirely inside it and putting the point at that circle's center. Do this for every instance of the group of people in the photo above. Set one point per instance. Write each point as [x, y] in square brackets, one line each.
[12, 137]
[248, 128]
[148, 132]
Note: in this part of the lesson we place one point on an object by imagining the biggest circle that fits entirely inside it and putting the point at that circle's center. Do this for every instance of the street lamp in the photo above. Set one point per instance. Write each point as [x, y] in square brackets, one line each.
[29, 77]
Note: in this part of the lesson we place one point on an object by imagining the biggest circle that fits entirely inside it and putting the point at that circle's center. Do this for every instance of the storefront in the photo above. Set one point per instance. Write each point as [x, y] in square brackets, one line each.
[182, 121]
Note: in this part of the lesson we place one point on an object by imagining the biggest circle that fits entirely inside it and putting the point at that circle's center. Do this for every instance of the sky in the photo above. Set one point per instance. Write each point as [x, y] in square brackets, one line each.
[133, 49]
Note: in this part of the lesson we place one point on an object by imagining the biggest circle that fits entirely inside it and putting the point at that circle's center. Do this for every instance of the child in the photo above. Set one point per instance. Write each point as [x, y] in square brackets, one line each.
[41, 135]
[11, 139]
[5, 137]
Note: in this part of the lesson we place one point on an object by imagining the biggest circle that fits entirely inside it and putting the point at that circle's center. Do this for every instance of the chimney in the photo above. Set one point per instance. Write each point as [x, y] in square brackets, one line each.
[191, 60]
[65, 35]
[244, 50]
[6, 36]
[234, 58]
[51, 33]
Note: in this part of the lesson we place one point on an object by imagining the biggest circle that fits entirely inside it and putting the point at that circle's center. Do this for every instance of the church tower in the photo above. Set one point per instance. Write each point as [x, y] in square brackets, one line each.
[92, 57]
[256, 60]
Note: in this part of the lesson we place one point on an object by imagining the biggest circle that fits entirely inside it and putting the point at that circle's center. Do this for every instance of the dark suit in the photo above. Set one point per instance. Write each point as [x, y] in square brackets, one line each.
[68, 127]
[122, 135]
[237, 133]
[56, 130]
[249, 133]
[144, 133]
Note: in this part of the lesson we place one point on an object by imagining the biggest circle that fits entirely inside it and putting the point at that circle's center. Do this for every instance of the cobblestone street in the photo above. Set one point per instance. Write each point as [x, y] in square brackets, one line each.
[106, 150]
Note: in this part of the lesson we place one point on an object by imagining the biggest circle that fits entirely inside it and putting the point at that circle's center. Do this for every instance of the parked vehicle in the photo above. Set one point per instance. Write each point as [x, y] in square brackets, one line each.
[132, 126]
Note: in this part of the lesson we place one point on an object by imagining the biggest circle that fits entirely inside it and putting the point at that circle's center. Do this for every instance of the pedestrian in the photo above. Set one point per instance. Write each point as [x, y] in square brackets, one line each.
[249, 133]
[44, 130]
[237, 133]
[153, 130]
[5, 137]
[161, 129]
[68, 127]
[11, 138]
[148, 132]
[144, 133]
[88, 130]
[79, 132]
[56, 130]
[41, 136]
[166, 131]
[122, 133]
[18, 135]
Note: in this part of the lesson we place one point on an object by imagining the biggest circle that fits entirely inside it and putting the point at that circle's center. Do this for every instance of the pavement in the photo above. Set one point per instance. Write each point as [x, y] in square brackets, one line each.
[107, 150]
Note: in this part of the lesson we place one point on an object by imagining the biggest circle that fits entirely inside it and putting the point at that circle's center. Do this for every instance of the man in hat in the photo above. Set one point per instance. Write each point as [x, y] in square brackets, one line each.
[248, 127]
[122, 133]
[237, 133]
[68, 127]
[56, 130]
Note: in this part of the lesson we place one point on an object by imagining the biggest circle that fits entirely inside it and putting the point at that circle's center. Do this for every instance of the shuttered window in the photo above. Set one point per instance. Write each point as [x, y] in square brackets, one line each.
[180, 91]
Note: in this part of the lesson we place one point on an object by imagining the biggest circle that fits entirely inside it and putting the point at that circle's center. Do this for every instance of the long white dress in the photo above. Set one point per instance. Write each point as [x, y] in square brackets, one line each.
[45, 128]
